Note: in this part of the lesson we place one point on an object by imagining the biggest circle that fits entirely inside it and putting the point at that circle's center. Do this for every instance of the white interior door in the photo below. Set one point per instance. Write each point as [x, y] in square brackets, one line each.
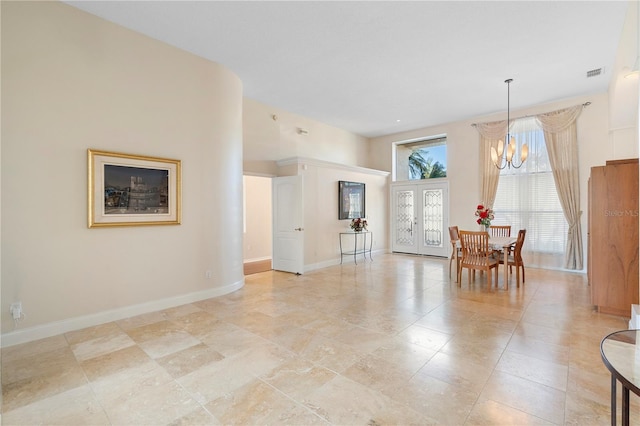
[288, 230]
[420, 218]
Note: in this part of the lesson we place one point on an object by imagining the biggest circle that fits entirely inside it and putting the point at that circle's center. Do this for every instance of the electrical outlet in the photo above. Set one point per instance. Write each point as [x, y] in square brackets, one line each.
[208, 275]
[16, 310]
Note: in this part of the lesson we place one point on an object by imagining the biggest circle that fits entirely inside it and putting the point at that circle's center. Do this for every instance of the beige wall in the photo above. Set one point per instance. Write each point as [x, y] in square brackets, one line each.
[71, 81]
[321, 224]
[267, 140]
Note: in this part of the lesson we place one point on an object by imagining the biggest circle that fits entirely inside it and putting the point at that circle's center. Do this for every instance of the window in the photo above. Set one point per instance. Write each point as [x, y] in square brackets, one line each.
[423, 159]
[527, 199]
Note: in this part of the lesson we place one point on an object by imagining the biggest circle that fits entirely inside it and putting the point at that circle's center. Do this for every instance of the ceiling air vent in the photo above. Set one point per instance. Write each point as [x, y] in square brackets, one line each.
[594, 73]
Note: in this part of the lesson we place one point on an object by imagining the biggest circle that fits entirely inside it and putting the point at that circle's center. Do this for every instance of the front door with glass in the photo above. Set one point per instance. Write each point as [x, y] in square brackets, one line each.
[420, 218]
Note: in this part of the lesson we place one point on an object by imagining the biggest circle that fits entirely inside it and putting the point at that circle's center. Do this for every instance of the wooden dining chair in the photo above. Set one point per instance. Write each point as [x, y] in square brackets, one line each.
[500, 230]
[456, 251]
[514, 257]
[476, 255]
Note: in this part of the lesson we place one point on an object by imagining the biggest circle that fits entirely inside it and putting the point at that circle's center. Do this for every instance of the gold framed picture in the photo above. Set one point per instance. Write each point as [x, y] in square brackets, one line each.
[132, 190]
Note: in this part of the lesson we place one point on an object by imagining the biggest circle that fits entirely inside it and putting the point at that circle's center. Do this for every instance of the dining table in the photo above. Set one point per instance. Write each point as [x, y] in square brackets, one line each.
[497, 243]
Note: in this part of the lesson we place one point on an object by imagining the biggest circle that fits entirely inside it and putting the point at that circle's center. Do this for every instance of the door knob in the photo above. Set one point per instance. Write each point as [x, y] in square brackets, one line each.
[299, 229]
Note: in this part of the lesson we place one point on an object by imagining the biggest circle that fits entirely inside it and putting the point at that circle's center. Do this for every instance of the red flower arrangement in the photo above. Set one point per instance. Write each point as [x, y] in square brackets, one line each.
[484, 214]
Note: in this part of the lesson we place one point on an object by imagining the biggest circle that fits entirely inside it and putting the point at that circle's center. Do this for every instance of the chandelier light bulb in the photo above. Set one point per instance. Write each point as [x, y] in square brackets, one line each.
[494, 155]
[525, 153]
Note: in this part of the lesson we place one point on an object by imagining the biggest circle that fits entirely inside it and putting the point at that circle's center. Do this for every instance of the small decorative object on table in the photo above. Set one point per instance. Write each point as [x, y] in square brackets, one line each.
[485, 216]
[359, 224]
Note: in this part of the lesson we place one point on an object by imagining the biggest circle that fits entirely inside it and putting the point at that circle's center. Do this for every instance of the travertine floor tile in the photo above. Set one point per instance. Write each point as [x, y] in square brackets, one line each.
[129, 382]
[298, 377]
[344, 402]
[539, 349]
[254, 403]
[441, 402]
[377, 373]
[155, 405]
[491, 413]
[36, 347]
[188, 360]
[198, 417]
[76, 406]
[110, 329]
[457, 370]
[215, 380]
[168, 344]
[425, 337]
[525, 395]
[393, 341]
[403, 354]
[534, 369]
[331, 354]
[46, 382]
[102, 345]
[114, 362]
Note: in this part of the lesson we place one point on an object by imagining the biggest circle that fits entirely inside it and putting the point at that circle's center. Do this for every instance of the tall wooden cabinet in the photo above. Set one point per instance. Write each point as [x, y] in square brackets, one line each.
[613, 236]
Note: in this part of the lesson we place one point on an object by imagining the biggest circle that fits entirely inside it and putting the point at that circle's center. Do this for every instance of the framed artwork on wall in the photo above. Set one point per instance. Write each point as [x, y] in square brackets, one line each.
[351, 200]
[132, 190]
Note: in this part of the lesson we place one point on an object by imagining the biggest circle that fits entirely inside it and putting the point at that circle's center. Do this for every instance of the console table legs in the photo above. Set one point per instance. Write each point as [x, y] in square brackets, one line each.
[356, 251]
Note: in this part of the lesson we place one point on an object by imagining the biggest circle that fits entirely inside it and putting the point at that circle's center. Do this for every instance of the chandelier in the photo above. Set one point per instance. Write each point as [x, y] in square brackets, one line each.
[509, 151]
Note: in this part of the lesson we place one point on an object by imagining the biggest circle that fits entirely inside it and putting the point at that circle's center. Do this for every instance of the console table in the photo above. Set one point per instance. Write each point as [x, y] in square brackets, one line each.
[620, 353]
[357, 249]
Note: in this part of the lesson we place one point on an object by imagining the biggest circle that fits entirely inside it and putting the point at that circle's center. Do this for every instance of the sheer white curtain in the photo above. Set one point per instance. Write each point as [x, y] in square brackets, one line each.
[527, 199]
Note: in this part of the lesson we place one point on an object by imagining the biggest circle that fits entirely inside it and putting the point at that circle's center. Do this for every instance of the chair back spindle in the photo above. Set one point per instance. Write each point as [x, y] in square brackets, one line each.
[500, 230]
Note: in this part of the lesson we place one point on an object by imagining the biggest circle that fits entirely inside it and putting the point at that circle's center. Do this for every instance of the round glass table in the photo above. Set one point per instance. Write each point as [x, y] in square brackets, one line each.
[620, 353]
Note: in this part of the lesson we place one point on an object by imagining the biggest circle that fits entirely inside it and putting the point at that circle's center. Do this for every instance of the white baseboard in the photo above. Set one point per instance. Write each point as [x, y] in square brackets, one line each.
[59, 327]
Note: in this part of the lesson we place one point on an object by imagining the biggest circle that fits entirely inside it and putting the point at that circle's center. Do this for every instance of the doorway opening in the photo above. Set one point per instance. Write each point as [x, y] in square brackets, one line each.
[257, 224]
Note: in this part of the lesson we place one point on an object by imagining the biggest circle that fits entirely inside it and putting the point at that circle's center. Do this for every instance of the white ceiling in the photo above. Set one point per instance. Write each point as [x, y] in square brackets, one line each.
[378, 67]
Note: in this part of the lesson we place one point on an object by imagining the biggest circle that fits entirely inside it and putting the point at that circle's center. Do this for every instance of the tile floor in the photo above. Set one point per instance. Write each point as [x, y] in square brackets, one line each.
[392, 341]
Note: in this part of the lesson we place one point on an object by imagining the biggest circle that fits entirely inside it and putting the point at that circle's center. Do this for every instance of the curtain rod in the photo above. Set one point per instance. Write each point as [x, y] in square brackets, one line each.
[584, 105]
